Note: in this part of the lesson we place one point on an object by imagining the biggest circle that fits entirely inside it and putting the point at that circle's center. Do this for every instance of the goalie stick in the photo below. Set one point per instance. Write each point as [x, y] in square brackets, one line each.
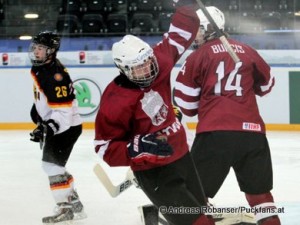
[220, 34]
[113, 190]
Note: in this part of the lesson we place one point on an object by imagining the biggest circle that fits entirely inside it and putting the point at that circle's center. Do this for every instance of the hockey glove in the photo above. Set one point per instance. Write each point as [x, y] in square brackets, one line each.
[177, 112]
[50, 127]
[37, 134]
[151, 148]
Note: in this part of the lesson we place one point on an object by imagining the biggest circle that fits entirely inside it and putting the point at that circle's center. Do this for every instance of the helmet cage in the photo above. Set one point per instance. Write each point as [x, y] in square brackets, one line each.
[142, 74]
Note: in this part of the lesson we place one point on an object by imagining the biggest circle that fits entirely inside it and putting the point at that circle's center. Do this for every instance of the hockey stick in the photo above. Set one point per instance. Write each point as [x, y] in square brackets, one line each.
[113, 190]
[220, 34]
[43, 140]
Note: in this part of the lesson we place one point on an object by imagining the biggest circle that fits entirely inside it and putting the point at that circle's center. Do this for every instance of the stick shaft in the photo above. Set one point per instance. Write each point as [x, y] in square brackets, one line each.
[220, 34]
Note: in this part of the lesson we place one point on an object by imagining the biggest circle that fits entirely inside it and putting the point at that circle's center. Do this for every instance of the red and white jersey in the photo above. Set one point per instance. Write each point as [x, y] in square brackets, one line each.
[223, 93]
[127, 110]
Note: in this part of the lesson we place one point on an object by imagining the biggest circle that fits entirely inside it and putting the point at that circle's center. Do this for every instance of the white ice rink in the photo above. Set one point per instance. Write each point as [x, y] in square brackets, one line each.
[25, 197]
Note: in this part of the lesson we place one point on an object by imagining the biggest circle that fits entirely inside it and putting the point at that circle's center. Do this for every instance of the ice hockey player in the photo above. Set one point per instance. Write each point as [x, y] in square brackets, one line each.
[136, 125]
[230, 132]
[58, 123]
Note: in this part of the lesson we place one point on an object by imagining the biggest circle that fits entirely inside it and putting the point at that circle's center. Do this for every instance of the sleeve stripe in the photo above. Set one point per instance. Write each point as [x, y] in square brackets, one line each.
[186, 105]
[185, 34]
[103, 147]
[182, 33]
[187, 90]
[267, 87]
[179, 47]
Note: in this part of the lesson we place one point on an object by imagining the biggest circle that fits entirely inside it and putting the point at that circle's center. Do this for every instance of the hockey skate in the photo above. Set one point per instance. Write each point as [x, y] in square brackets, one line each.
[63, 215]
[77, 207]
[149, 214]
[234, 219]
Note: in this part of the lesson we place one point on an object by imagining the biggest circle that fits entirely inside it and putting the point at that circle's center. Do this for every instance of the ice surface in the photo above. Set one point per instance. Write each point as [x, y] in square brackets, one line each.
[25, 196]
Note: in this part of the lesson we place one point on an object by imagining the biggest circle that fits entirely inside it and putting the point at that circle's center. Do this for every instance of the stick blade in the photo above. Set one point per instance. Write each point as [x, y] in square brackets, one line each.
[104, 179]
[113, 190]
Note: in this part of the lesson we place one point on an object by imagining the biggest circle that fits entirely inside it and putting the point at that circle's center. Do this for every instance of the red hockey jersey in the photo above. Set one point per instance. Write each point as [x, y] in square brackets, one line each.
[125, 112]
[221, 92]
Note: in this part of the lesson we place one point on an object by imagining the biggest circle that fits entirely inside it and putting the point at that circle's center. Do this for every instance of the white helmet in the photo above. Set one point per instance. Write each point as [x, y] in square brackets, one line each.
[136, 60]
[215, 13]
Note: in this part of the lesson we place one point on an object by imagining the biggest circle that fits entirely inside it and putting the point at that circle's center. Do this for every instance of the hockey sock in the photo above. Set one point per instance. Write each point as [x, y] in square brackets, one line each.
[274, 220]
[62, 186]
[204, 220]
[265, 209]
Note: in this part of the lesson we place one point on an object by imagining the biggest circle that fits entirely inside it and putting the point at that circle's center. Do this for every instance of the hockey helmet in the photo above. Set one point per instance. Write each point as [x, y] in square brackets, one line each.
[215, 13]
[48, 43]
[204, 32]
[135, 59]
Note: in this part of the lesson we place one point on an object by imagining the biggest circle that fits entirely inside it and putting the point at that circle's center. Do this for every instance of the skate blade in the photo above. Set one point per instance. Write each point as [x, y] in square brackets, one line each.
[69, 222]
[80, 216]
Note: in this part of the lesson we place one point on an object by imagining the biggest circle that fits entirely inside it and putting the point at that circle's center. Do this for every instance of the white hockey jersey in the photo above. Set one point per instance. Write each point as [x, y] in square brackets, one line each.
[54, 96]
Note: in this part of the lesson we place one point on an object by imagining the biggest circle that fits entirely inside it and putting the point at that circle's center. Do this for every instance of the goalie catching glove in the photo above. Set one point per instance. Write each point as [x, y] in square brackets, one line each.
[50, 127]
[151, 148]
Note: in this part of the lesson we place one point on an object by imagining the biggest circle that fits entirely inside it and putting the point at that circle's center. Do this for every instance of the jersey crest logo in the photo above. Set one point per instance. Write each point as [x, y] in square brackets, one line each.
[58, 77]
[153, 105]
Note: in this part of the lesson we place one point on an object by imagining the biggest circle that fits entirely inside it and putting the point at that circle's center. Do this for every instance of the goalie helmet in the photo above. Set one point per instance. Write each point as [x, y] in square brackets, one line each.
[135, 59]
[44, 45]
